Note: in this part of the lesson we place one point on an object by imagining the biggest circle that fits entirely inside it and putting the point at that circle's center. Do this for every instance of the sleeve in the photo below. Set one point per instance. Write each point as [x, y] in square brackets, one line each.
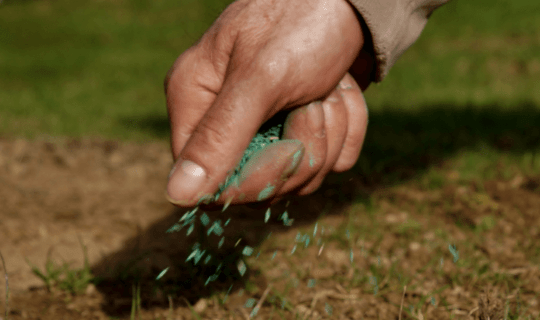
[393, 26]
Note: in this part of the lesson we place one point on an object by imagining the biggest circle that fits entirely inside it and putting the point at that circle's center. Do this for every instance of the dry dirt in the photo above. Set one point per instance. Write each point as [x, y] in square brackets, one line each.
[110, 195]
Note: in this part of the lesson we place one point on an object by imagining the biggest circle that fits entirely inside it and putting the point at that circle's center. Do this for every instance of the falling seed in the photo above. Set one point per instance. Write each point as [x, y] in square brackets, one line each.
[205, 219]
[267, 215]
[176, 227]
[311, 283]
[328, 309]
[199, 256]
[192, 255]
[254, 312]
[315, 229]
[351, 255]
[227, 204]
[190, 230]
[241, 267]
[247, 251]
[207, 259]
[211, 278]
[237, 242]
[162, 273]
[227, 222]
[221, 242]
[320, 250]
[275, 252]
[293, 249]
[250, 303]
[454, 252]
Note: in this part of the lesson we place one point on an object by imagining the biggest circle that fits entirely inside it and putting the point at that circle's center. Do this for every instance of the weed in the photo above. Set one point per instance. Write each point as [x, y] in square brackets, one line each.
[74, 281]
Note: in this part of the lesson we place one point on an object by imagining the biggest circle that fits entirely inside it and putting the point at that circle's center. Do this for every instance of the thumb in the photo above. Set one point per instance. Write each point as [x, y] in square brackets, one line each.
[217, 143]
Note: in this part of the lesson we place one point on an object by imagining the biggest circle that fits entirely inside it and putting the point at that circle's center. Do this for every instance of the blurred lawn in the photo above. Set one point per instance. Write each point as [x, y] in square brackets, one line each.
[96, 68]
[91, 67]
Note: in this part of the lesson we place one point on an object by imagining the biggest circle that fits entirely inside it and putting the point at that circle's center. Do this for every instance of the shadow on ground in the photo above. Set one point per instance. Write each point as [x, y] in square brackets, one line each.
[399, 145]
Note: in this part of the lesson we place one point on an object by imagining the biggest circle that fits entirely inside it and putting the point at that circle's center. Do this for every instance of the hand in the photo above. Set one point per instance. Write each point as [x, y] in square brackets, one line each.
[258, 58]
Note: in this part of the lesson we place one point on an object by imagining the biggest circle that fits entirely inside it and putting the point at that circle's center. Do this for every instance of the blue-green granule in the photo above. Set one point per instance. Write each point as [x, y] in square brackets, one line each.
[221, 242]
[241, 267]
[293, 249]
[247, 251]
[328, 308]
[250, 303]
[205, 219]
[254, 312]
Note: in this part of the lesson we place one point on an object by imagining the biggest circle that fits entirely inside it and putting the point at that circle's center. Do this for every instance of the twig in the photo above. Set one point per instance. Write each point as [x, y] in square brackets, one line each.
[402, 298]
[243, 312]
[263, 297]
[7, 279]
[331, 294]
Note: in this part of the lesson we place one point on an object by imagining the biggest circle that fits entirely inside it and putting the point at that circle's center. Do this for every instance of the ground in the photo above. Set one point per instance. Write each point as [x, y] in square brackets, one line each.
[62, 196]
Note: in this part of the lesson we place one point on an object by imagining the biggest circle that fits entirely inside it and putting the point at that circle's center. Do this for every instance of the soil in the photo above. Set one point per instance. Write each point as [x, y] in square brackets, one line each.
[62, 197]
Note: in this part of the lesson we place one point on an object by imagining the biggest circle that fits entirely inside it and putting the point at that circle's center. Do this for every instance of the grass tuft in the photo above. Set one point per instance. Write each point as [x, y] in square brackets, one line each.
[6, 303]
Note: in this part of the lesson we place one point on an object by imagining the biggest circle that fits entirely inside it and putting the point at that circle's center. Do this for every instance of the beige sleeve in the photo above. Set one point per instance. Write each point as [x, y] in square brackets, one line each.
[394, 26]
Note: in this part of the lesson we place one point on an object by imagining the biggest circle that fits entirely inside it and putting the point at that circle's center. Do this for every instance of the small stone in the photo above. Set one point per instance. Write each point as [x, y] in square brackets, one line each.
[200, 306]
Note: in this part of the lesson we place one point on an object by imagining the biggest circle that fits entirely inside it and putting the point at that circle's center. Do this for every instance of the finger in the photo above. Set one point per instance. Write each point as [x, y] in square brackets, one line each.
[217, 143]
[187, 99]
[265, 173]
[304, 124]
[357, 116]
[335, 116]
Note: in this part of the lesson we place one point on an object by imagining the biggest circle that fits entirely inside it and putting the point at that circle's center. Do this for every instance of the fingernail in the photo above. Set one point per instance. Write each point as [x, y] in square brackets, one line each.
[315, 119]
[185, 180]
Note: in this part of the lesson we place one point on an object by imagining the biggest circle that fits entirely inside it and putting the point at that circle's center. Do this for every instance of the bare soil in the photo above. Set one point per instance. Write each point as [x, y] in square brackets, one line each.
[109, 196]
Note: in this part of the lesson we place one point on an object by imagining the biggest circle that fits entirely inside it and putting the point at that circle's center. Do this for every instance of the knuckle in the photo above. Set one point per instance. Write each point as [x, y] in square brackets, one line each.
[274, 68]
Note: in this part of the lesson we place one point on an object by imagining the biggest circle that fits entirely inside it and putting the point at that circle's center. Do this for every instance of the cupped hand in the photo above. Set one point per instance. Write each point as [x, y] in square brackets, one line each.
[258, 58]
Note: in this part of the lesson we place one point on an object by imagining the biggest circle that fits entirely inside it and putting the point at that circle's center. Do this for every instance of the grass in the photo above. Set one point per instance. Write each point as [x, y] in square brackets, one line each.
[6, 277]
[71, 280]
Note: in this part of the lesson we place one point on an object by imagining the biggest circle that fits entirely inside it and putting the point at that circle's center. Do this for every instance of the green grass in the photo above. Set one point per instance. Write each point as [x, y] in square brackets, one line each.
[97, 67]
[94, 67]
[64, 277]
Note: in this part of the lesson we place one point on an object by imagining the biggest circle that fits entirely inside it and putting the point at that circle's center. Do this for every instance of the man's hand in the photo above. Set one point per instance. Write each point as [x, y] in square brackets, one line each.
[258, 58]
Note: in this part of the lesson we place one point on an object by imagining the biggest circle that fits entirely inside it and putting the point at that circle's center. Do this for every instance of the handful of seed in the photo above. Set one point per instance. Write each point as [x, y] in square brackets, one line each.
[270, 132]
